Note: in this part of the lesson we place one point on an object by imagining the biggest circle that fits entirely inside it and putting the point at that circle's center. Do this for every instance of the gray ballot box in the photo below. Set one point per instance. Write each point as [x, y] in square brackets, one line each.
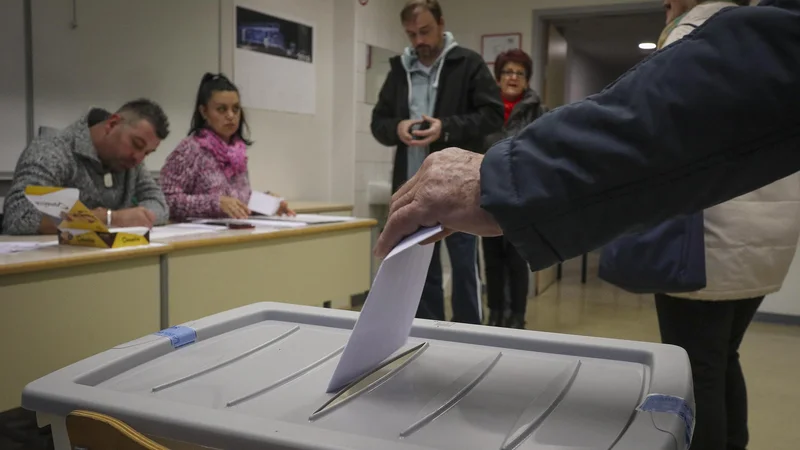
[255, 377]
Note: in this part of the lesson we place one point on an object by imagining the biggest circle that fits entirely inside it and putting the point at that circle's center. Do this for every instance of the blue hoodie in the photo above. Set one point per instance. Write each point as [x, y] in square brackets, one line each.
[423, 83]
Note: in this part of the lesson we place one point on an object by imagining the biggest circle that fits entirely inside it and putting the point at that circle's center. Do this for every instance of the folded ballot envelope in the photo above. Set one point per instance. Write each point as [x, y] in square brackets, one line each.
[77, 225]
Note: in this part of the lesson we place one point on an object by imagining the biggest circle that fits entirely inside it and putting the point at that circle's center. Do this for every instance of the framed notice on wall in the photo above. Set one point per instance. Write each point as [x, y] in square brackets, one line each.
[494, 44]
[274, 62]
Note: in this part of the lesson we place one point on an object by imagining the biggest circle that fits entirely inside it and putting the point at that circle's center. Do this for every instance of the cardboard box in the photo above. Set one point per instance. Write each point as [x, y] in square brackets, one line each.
[77, 225]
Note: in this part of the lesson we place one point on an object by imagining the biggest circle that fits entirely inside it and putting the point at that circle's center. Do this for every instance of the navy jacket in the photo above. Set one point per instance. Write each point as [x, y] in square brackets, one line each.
[468, 104]
[709, 118]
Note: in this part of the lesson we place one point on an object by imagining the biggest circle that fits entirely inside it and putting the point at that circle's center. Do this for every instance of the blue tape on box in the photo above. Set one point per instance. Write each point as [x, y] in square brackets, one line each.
[673, 405]
[179, 336]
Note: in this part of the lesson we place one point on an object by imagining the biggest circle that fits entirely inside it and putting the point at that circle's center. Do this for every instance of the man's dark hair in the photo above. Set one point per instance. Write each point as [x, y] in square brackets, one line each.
[413, 6]
[144, 109]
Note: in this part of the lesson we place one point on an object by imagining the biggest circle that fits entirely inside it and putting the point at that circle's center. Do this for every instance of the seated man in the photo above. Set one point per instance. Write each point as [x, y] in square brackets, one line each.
[101, 155]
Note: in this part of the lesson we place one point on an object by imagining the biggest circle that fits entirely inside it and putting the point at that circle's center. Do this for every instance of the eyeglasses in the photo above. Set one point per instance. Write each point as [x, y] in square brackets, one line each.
[510, 73]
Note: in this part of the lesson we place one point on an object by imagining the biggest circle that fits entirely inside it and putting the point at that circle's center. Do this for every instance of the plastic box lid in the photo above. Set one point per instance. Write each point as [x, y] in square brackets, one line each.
[255, 377]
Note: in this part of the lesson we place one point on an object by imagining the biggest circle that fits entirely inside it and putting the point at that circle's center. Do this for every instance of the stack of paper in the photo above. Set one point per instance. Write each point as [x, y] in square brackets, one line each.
[385, 321]
[311, 218]
[15, 247]
[182, 229]
[266, 222]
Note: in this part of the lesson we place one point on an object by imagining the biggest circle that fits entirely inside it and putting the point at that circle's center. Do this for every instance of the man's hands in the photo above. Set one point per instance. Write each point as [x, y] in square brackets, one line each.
[445, 191]
[132, 217]
[419, 138]
[233, 207]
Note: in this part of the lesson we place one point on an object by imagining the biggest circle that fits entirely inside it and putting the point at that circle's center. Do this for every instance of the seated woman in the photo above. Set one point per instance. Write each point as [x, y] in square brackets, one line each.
[506, 270]
[206, 175]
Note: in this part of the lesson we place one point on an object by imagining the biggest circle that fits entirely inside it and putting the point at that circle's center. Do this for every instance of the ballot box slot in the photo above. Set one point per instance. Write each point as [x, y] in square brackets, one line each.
[226, 362]
[371, 380]
[541, 406]
[451, 395]
[287, 379]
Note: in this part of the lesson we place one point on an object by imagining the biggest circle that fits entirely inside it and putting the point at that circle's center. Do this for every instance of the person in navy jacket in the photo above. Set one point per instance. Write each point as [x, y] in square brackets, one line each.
[706, 119]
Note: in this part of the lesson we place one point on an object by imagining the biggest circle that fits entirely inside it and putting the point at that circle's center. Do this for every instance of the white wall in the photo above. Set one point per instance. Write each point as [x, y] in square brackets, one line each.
[504, 16]
[122, 49]
[293, 152]
[119, 51]
[377, 24]
[787, 301]
[13, 103]
[585, 75]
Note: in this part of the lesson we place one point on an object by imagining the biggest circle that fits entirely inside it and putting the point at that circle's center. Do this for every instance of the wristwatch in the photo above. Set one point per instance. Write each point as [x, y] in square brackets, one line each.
[108, 217]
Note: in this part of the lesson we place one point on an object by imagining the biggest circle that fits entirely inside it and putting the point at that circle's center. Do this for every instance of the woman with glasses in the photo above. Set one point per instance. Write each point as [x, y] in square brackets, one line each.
[506, 271]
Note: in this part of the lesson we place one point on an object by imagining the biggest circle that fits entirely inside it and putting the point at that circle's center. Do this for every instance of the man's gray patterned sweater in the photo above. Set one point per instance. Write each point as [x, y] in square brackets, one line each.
[69, 159]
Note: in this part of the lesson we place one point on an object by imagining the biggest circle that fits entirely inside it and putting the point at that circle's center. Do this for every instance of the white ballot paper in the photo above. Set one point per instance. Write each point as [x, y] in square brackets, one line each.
[262, 203]
[385, 321]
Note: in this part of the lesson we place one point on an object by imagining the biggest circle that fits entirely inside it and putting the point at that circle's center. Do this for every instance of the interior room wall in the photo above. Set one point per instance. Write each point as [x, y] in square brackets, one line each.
[504, 16]
[555, 75]
[377, 25]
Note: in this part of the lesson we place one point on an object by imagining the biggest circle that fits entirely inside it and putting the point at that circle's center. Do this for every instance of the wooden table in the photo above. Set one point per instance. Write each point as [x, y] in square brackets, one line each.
[210, 273]
[331, 209]
[61, 304]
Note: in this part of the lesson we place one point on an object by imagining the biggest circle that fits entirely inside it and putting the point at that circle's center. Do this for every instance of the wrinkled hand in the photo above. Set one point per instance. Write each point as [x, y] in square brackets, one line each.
[133, 217]
[429, 136]
[284, 210]
[403, 130]
[445, 191]
[233, 207]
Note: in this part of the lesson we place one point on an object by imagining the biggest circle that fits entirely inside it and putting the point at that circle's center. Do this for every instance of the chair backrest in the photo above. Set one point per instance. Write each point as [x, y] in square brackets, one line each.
[45, 132]
[94, 431]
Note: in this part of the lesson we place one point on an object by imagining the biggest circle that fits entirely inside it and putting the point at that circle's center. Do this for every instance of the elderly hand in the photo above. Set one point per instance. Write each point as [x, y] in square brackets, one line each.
[445, 191]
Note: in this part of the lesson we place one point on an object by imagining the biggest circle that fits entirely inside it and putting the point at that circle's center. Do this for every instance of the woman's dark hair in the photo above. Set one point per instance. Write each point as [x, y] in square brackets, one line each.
[208, 85]
[513, 56]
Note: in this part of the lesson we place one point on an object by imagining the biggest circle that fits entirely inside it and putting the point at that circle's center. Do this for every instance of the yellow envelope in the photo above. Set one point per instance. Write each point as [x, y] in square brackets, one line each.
[77, 225]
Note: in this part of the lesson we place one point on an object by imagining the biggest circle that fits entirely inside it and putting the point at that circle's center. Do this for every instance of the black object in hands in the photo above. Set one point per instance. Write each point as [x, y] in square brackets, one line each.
[422, 126]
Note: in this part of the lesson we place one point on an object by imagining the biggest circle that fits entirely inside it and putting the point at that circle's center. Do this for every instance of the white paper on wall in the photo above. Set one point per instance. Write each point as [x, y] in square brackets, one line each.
[274, 62]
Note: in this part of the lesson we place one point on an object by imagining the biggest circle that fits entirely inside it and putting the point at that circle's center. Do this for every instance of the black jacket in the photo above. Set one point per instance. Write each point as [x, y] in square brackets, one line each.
[468, 104]
[525, 111]
[708, 118]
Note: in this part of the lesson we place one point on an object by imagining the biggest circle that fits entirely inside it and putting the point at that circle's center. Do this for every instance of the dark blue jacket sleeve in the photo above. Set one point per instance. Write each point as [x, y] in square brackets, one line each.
[706, 119]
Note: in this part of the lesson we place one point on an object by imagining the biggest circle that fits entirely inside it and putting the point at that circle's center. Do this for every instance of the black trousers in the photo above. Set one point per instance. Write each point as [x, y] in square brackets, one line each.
[505, 268]
[467, 304]
[711, 332]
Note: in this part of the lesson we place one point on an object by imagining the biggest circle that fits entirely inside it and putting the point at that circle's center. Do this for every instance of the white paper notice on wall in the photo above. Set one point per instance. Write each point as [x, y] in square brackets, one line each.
[385, 321]
[274, 62]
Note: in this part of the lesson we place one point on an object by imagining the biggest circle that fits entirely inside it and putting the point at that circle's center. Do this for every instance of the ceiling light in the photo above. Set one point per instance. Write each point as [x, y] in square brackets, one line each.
[647, 46]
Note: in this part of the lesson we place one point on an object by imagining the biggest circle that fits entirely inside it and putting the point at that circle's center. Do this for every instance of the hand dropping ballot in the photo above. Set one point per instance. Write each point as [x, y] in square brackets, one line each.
[385, 321]
[77, 225]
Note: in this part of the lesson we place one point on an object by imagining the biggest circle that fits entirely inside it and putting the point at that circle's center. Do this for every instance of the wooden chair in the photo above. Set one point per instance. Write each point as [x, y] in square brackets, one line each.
[93, 431]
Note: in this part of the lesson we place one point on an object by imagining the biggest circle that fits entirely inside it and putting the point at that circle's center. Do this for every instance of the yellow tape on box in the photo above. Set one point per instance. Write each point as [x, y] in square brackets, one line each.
[77, 225]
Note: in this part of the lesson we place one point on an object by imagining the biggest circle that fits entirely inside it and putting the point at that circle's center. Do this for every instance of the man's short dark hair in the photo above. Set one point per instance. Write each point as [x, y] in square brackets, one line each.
[413, 6]
[144, 109]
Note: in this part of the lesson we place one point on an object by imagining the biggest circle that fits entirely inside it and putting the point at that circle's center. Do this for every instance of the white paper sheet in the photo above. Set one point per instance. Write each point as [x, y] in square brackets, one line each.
[262, 203]
[385, 321]
[314, 218]
[182, 229]
[266, 222]
[15, 247]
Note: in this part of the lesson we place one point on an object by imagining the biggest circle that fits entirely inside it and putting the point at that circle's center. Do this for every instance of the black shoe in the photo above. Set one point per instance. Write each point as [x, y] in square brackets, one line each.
[495, 319]
[516, 320]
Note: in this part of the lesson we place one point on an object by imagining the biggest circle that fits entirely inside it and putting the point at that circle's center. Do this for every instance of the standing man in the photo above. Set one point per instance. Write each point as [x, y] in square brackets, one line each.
[438, 95]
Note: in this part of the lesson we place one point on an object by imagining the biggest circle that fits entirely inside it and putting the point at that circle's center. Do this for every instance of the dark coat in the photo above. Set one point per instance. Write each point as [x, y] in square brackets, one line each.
[467, 102]
[706, 119]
